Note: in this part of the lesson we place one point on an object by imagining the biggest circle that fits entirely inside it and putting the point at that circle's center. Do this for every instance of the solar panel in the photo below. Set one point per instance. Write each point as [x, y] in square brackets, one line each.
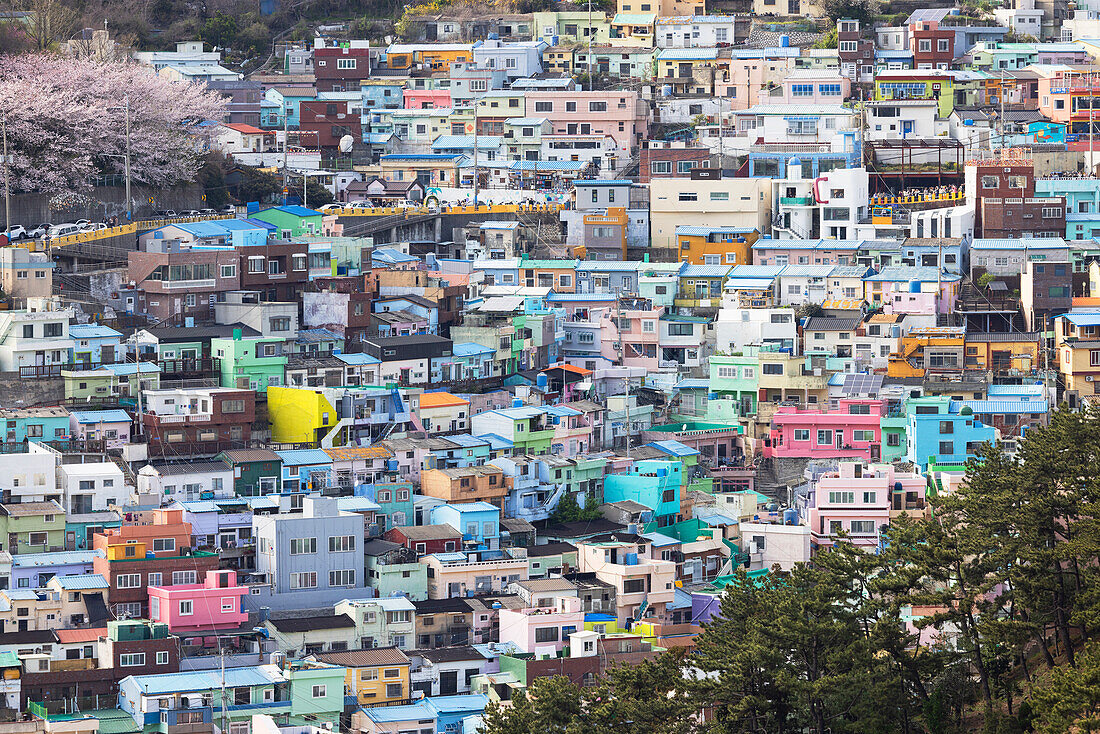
[861, 384]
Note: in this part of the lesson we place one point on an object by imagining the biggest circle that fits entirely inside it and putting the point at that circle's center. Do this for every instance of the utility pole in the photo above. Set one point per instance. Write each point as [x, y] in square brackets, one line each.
[1091, 81]
[622, 352]
[7, 176]
[590, 31]
[129, 200]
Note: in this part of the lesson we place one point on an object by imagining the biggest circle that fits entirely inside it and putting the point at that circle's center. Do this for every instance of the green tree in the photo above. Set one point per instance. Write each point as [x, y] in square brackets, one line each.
[570, 510]
[257, 185]
[1071, 700]
[220, 30]
[551, 705]
[862, 10]
[317, 195]
[829, 40]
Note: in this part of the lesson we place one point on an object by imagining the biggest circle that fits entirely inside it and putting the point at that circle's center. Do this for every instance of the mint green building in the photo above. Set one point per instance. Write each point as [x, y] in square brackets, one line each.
[292, 221]
[251, 363]
[734, 386]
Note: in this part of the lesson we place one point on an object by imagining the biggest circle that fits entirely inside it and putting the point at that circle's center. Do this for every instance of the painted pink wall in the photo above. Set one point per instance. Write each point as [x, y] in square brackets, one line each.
[422, 99]
[881, 479]
[213, 607]
[518, 625]
[789, 419]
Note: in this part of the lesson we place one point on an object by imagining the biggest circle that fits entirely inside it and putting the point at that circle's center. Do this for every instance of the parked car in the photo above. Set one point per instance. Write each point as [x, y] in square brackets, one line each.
[17, 232]
[63, 230]
[40, 231]
[82, 222]
[190, 213]
[207, 212]
[331, 207]
[229, 209]
[93, 227]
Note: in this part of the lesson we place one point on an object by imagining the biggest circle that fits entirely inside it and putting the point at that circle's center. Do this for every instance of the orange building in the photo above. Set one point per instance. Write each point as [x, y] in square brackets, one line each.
[465, 484]
[716, 245]
[164, 537]
[561, 275]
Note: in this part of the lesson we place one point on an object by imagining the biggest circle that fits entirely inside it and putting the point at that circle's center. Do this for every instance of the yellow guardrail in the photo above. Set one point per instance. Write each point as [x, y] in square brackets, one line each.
[387, 211]
[102, 234]
[929, 198]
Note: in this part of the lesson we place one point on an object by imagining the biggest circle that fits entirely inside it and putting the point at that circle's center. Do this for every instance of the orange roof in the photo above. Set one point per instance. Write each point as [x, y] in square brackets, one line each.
[355, 452]
[441, 400]
[81, 635]
[569, 368]
[452, 278]
[247, 129]
[1085, 301]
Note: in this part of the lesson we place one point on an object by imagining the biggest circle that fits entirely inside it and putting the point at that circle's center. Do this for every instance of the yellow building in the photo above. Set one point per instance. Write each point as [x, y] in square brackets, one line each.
[437, 56]
[716, 245]
[743, 203]
[379, 676]
[1002, 351]
[299, 414]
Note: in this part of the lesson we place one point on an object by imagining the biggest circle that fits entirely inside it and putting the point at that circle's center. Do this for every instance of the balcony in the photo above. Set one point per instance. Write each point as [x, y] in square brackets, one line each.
[188, 285]
[185, 418]
[796, 201]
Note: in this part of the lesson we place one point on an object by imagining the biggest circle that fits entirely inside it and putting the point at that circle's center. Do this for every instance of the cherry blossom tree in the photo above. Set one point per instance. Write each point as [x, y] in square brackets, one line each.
[66, 122]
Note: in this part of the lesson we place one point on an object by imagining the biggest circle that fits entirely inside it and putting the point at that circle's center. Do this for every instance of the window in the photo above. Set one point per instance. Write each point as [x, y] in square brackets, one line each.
[926, 45]
[675, 329]
[802, 90]
[947, 427]
[869, 498]
[302, 546]
[942, 45]
[546, 634]
[659, 167]
[863, 527]
[824, 437]
[989, 182]
[164, 544]
[128, 581]
[343, 577]
[1051, 212]
[320, 691]
[771, 369]
[719, 196]
[683, 167]
[947, 447]
[394, 690]
[687, 196]
[228, 604]
[187, 607]
[597, 106]
[345, 63]
[544, 106]
[829, 90]
[131, 659]
[256, 264]
[154, 579]
[229, 271]
[842, 497]
[306, 580]
[341, 543]
[232, 406]
[633, 586]
[802, 434]
[859, 410]
[162, 657]
[184, 577]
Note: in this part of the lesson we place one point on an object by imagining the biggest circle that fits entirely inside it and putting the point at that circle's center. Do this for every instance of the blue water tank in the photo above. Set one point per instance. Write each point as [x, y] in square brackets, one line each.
[517, 403]
[784, 41]
[391, 465]
[914, 286]
[632, 559]
[968, 122]
[542, 379]
[790, 517]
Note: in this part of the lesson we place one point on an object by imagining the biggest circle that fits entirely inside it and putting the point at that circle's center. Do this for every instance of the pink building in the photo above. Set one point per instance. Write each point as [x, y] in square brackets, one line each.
[622, 115]
[859, 499]
[426, 99]
[852, 430]
[637, 330]
[542, 630]
[644, 585]
[901, 295]
[110, 426]
[216, 603]
[816, 86]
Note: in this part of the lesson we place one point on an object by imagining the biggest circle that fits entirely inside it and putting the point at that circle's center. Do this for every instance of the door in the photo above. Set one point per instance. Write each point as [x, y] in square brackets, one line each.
[448, 682]
[840, 439]
[906, 127]
[107, 354]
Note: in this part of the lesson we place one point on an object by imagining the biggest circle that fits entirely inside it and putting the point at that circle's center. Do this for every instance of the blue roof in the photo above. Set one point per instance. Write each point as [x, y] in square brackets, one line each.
[692, 383]
[521, 412]
[711, 517]
[690, 230]
[467, 441]
[660, 540]
[359, 358]
[420, 156]
[132, 368]
[893, 54]
[392, 714]
[548, 165]
[496, 441]
[200, 506]
[392, 255]
[674, 448]
[200, 229]
[562, 410]
[605, 182]
[261, 224]
[101, 416]
[92, 331]
[1036, 390]
[470, 349]
[906, 273]
[1082, 319]
[704, 271]
[357, 504]
[82, 582]
[55, 558]
[241, 225]
[581, 297]
[477, 506]
[304, 456]
[208, 680]
[458, 704]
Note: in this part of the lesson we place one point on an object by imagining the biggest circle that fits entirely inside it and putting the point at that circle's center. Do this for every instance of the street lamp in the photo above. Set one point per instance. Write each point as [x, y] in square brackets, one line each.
[129, 200]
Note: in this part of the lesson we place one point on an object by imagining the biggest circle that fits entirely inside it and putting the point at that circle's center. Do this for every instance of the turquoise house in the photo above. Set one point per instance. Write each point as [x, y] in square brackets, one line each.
[291, 220]
[394, 500]
[95, 343]
[34, 424]
[654, 483]
[251, 363]
[305, 470]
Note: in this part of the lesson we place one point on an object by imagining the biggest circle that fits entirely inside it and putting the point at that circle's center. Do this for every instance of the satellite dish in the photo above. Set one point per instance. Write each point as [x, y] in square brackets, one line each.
[345, 143]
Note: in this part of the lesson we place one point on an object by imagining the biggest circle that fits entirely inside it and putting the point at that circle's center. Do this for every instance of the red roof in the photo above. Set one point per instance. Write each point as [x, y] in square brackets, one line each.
[81, 635]
[247, 129]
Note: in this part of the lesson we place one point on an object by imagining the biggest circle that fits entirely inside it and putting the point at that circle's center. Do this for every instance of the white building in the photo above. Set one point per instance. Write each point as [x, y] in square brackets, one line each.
[186, 482]
[738, 327]
[829, 206]
[30, 477]
[1021, 16]
[518, 59]
[92, 487]
[783, 123]
[906, 119]
[37, 336]
[770, 544]
[892, 38]
[694, 31]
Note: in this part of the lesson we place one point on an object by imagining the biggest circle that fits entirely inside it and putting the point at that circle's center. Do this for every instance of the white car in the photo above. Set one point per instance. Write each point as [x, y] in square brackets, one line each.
[93, 227]
[62, 230]
[331, 207]
[17, 232]
[82, 222]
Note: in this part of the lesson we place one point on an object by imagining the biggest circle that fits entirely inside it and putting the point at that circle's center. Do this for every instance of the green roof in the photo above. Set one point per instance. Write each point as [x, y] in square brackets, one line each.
[111, 721]
[696, 426]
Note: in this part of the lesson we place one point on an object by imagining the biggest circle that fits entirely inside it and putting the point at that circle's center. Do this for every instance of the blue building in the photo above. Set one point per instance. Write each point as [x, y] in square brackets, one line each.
[34, 570]
[396, 507]
[244, 232]
[450, 711]
[91, 340]
[1082, 204]
[654, 483]
[305, 470]
[943, 430]
[477, 521]
[35, 424]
